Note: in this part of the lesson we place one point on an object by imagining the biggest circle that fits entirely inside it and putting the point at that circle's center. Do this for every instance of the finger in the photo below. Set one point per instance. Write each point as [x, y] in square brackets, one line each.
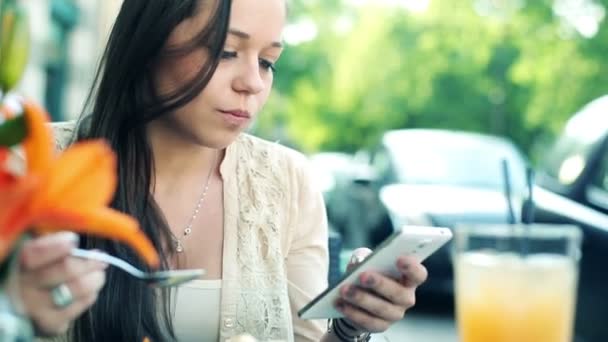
[357, 257]
[79, 288]
[85, 286]
[361, 319]
[371, 303]
[414, 273]
[63, 271]
[50, 322]
[47, 249]
[388, 288]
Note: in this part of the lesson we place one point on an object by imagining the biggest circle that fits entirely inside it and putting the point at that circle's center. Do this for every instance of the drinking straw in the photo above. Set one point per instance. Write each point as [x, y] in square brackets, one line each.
[528, 217]
[529, 214]
[507, 191]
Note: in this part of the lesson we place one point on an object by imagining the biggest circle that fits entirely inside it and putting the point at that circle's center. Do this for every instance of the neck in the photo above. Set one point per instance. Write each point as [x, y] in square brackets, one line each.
[177, 160]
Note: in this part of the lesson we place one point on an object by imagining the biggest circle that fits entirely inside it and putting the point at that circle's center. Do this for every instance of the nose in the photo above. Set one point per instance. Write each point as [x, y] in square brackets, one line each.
[249, 79]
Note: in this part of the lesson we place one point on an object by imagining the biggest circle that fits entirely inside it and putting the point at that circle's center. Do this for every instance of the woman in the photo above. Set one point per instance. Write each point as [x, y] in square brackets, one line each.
[179, 83]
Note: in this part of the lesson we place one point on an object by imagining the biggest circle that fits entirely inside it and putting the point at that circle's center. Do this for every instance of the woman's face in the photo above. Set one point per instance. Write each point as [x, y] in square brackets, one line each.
[241, 84]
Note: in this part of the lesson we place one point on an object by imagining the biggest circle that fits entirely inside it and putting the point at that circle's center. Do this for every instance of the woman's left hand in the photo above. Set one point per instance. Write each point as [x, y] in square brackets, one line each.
[379, 300]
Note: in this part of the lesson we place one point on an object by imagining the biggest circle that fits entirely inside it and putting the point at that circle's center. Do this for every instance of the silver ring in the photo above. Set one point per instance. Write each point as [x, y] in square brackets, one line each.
[62, 296]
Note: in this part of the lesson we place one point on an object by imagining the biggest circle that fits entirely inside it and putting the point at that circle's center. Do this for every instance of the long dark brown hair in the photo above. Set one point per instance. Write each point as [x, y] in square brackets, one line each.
[121, 102]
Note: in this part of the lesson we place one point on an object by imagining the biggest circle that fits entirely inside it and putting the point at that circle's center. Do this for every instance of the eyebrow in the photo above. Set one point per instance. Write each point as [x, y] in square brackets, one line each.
[246, 36]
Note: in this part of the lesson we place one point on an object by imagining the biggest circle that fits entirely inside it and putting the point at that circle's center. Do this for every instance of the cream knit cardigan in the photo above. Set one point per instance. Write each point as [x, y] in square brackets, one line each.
[275, 256]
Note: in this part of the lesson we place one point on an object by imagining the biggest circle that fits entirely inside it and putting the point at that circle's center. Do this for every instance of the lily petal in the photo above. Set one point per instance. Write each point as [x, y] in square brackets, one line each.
[101, 222]
[39, 143]
[5, 177]
[15, 216]
[3, 155]
[83, 175]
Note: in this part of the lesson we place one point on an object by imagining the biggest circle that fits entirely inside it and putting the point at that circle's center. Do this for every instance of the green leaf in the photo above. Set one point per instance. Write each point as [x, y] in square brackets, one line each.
[12, 131]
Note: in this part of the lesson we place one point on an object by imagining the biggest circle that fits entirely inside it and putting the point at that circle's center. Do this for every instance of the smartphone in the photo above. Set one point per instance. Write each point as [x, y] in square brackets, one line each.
[418, 241]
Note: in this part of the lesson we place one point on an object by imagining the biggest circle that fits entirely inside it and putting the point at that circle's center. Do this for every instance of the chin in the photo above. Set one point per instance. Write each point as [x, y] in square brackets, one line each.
[219, 139]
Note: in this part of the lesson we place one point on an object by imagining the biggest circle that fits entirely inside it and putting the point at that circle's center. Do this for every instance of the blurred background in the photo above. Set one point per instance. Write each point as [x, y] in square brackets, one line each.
[407, 109]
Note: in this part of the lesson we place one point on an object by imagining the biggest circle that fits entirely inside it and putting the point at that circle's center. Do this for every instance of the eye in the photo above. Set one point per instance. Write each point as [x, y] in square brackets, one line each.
[228, 54]
[267, 65]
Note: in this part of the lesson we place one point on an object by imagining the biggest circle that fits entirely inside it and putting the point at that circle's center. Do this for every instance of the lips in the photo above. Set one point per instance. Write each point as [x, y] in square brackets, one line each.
[237, 113]
[236, 117]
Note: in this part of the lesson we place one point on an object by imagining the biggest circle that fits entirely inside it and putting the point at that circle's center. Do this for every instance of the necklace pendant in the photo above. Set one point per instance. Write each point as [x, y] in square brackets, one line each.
[178, 247]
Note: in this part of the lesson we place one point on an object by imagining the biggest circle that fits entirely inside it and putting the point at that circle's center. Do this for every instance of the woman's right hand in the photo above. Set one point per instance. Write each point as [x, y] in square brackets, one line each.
[46, 267]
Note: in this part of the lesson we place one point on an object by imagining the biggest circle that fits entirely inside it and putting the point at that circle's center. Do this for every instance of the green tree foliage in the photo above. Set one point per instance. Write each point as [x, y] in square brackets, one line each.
[517, 73]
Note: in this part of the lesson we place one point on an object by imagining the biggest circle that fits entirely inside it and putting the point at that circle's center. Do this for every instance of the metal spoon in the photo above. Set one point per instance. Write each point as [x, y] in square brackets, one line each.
[157, 279]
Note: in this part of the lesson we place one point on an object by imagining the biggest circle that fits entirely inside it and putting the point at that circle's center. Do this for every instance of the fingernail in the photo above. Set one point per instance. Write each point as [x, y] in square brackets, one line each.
[350, 292]
[72, 237]
[370, 281]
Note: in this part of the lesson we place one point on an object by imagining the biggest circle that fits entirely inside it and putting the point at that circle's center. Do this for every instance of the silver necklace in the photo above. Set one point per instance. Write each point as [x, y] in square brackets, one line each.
[179, 247]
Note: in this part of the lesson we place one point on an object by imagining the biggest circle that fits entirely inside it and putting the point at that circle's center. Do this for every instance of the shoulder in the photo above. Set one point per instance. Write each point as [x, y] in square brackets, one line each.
[64, 133]
[271, 153]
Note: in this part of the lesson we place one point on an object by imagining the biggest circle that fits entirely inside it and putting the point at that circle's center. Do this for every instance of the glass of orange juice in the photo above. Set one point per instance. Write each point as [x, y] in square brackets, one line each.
[516, 283]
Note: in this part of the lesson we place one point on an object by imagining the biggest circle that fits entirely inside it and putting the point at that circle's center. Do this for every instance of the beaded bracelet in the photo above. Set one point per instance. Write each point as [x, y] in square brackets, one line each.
[335, 326]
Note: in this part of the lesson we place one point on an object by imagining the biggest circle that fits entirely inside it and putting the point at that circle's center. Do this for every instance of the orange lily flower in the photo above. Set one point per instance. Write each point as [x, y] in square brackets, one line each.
[66, 191]
[5, 177]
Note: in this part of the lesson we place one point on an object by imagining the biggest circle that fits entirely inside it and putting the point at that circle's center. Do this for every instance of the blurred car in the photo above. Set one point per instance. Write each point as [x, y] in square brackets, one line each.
[334, 173]
[330, 168]
[428, 177]
[572, 188]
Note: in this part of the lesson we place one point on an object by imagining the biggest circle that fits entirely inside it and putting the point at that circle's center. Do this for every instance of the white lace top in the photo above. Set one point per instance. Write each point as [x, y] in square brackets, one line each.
[275, 257]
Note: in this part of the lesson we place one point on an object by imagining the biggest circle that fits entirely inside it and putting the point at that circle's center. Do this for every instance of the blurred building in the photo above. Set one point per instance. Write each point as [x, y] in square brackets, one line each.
[67, 41]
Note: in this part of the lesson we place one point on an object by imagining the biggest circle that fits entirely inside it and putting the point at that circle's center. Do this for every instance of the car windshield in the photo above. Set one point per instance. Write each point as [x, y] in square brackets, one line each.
[457, 159]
